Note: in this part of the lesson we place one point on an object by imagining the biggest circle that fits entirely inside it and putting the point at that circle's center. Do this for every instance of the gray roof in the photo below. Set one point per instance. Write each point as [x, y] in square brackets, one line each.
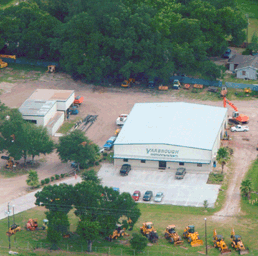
[36, 107]
[173, 123]
[244, 61]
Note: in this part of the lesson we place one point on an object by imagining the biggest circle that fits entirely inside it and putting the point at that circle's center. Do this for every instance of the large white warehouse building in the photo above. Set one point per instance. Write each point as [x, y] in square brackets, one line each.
[171, 135]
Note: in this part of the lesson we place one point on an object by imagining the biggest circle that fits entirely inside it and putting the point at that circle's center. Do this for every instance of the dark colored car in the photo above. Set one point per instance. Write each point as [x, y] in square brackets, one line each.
[147, 196]
[125, 169]
[136, 195]
[180, 173]
[227, 54]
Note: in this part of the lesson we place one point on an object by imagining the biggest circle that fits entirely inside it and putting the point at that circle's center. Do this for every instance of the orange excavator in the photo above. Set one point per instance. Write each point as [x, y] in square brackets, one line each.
[240, 118]
[5, 64]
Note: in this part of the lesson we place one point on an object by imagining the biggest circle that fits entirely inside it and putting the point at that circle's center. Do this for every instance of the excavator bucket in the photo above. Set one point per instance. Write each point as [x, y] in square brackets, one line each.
[225, 251]
[179, 242]
[242, 252]
[196, 243]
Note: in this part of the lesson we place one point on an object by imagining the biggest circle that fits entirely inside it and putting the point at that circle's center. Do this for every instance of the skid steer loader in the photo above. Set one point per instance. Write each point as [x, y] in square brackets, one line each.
[13, 229]
[172, 235]
[148, 230]
[236, 243]
[218, 242]
[192, 236]
[118, 232]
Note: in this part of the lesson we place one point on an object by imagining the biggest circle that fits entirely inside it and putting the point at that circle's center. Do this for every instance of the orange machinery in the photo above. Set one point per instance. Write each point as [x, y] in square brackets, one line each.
[236, 116]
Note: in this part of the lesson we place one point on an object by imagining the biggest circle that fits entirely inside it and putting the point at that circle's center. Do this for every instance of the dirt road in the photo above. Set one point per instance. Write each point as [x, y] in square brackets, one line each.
[108, 103]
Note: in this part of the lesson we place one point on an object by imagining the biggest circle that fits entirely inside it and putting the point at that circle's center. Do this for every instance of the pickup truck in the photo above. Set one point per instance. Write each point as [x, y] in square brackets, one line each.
[121, 119]
[110, 143]
[239, 128]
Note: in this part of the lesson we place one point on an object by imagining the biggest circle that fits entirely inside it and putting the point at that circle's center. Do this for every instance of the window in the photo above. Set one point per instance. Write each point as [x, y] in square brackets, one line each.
[199, 165]
[181, 163]
[32, 121]
[125, 160]
[243, 73]
[143, 161]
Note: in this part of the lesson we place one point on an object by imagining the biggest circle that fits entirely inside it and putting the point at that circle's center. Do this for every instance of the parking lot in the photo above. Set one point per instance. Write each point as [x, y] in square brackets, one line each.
[190, 191]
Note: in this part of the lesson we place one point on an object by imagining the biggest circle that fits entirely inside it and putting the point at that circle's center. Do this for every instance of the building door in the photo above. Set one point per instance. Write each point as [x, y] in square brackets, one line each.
[162, 164]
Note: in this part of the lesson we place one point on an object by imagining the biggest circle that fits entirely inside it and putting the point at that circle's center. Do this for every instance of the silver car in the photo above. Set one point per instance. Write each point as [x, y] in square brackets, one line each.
[180, 173]
[159, 196]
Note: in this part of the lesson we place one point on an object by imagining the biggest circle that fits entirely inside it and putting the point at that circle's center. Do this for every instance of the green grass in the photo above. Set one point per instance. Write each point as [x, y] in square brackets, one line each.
[249, 7]
[7, 173]
[215, 178]
[66, 126]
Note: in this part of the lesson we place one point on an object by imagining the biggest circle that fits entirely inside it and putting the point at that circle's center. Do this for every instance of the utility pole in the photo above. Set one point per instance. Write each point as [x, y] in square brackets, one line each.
[206, 237]
[247, 26]
[13, 215]
[9, 237]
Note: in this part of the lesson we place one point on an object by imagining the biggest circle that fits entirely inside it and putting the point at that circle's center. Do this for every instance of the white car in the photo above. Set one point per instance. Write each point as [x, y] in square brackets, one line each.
[159, 196]
[121, 119]
[239, 128]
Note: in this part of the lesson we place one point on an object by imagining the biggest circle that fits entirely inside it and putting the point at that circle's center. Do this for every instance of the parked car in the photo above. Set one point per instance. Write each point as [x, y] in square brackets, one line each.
[176, 84]
[159, 196]
[180, 173]
[110, 143]
[147, 196]
[227, 54]
[121, 119]
[136, 195]
[116, 189]
[213, 89]
[239, 128]
[125, 169]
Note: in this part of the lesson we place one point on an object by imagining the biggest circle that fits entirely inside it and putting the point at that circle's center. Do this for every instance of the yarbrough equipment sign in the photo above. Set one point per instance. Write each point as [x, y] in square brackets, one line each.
[162, 152]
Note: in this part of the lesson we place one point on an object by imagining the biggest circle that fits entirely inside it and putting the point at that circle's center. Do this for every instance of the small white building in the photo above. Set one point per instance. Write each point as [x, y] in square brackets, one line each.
[43, 113]
[171, 135]
[64, 98]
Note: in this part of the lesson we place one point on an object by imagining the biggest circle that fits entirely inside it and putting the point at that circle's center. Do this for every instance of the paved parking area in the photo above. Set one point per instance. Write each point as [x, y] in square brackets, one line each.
[191, 191]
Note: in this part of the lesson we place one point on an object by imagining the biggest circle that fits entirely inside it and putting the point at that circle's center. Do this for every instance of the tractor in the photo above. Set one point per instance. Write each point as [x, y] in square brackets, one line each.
[32, 224]
[172, 235]
[148, 230]
[13, 229]
[218, 242]
[236, 243]
[192, 236]
[118, 232]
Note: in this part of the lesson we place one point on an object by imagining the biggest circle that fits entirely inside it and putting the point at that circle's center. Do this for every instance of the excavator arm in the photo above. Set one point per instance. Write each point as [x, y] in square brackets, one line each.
[225, 101]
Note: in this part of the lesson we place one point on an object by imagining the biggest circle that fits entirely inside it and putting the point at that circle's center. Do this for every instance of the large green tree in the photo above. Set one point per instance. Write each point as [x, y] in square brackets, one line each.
[246, 188]
[222, 157]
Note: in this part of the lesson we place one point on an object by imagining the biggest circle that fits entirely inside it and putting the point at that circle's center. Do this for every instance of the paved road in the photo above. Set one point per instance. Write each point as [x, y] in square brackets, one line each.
[191, 191]
[27, 201]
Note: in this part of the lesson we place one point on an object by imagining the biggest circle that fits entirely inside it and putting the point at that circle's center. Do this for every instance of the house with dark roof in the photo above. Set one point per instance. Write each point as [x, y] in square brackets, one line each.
[245, 66]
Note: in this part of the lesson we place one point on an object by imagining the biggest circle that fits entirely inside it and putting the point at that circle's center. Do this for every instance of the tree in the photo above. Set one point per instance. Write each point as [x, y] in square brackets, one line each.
[76, 147]
[246, 188]
[91, 176]
[222, 157]
[138, 242]
[33, 179]
[89, 231]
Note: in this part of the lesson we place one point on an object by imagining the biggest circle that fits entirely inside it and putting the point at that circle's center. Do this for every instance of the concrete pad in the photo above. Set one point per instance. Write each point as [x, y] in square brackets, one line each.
[190, 191]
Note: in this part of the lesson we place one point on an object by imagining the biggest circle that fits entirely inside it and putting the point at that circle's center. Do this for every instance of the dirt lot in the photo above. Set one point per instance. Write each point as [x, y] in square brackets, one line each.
[108, 103]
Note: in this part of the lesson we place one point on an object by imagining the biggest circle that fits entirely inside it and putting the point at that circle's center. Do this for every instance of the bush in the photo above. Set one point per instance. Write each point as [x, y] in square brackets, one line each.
[62, 175]
[105, 154]
[33, 179]
[52, 178]
[138, 242]
[194, 90]
[104, 158]
[97, 163]
[57, 176]
[42, 182]
[47, 180]
[215, 178]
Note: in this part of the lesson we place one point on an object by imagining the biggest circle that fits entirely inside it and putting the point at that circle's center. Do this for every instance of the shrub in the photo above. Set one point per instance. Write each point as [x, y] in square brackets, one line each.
[33, 179]
[105, 154]
[104, 158]
[47, 180]
[97, 163]
[42, 182]
[62, 175]
[52, 178]
[215, 178]
[138, 242]
[57, 176]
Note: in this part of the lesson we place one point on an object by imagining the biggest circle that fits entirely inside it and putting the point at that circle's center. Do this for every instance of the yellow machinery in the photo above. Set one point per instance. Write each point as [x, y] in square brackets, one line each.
[236, 243]
[218, 242]
[118, 232]
[13, 229]
[192, 236]
[4, 64]
[148, 230]
[247, 90]
[163, 88]
[51, 68]
[128, 83]
[117, 132]
[11, 163]
[172, 235]
[223, 91]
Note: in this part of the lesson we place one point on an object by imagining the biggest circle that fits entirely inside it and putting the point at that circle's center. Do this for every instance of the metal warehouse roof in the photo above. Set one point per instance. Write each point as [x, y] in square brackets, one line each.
[51, 94]
[36, 107]
[173, 123]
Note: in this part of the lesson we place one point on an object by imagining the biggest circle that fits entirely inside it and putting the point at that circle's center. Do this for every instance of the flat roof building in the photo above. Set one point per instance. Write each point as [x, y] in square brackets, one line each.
[171, 135]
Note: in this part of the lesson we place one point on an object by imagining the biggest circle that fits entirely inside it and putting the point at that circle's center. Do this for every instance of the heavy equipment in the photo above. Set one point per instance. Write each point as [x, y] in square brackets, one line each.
[172, 235]
[240, 118]
[148, 230]
[118, 232]
[236, 243]
[5, 64]
[192, 236]
[223, 91]
[128, 83]
[163, 88]
[11, 163]
[218, 242]
[32, 224]
[13, 229]
[51, 68]
[247, 90]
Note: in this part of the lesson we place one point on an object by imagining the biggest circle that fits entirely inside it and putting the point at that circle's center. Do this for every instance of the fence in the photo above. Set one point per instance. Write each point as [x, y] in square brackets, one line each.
[189, 80]
[253, 87]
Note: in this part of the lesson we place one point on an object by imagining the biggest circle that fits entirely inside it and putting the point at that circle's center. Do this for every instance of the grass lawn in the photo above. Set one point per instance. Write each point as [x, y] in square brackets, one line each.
[249, 7]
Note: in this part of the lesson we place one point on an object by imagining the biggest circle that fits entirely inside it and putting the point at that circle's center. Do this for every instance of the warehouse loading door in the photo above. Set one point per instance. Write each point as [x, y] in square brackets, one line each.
[162, 165]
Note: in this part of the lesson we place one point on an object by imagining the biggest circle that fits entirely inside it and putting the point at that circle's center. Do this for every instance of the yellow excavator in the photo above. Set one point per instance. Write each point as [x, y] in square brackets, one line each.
[236, 243]
[5, 64]
[218, 242]
[192, 236]
[128, 83]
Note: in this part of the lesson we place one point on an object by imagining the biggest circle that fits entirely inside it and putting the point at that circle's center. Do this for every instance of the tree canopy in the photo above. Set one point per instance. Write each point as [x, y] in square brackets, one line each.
[100, 39]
